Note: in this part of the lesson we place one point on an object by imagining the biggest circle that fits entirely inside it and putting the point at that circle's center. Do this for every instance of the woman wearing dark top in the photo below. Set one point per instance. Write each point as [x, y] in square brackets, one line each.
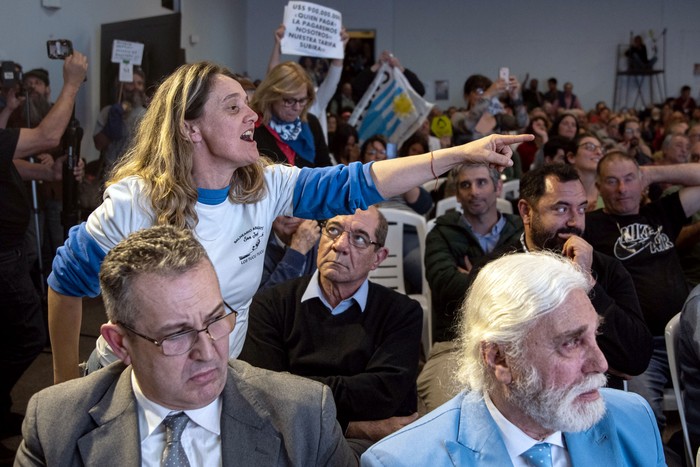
[285, 131]
[345, 144]
[566, 126]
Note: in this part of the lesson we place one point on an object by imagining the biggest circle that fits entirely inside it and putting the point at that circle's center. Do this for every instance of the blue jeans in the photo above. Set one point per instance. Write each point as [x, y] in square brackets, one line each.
[650, 384]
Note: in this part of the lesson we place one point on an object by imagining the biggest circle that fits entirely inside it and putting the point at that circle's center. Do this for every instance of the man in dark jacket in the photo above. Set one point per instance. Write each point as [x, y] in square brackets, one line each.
[460, 238]
[455, 243]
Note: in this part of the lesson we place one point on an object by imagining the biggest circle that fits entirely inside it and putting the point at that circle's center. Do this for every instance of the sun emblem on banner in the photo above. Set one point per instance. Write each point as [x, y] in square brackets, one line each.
[403, 105]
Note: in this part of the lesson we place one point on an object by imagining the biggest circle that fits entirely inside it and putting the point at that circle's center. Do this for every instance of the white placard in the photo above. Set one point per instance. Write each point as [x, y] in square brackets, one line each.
[126, 72]
[124, 51]
[312, 30]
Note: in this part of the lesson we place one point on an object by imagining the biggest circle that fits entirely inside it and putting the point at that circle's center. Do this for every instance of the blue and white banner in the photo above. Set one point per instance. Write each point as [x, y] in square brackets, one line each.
[390, 107]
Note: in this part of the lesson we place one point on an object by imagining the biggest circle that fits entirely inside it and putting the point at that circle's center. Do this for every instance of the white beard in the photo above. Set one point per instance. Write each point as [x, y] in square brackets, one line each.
[558, 409]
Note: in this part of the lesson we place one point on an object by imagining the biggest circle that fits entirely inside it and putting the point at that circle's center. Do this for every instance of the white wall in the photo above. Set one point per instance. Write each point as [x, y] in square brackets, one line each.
[220, 28]
[438, 39]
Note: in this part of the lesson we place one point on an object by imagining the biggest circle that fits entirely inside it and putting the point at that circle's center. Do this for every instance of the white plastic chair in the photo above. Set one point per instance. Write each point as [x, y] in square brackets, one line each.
[447, 204]
[431, 185]
[504, 206]
[451, 203]
[671, 335]
[390, 273]
[511, 189]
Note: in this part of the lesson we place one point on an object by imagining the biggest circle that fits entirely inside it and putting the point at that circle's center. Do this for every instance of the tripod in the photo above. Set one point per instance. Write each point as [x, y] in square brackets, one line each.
[70, 214]
[35, 203]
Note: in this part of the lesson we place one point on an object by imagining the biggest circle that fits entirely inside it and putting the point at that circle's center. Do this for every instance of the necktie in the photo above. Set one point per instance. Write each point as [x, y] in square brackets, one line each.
[174, 454]
[539, 455]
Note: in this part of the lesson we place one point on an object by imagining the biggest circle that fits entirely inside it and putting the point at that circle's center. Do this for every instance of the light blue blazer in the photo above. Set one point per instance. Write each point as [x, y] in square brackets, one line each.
[462, 433]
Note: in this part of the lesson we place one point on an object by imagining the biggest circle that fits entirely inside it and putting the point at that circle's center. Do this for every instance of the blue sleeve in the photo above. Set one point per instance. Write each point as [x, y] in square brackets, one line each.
[424, 203]
[291, 266]
[324, 192]
[76, 266]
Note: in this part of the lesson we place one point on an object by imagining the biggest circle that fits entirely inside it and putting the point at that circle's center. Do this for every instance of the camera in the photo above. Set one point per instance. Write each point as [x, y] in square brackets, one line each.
[11, 76]
[58, 49]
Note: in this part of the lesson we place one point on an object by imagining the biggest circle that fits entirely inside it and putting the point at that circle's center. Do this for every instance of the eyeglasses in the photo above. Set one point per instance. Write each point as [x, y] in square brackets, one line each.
[183, 341]
[357, 239]
[374, 152]
[592, 147]
[632, 131]
[290, 102]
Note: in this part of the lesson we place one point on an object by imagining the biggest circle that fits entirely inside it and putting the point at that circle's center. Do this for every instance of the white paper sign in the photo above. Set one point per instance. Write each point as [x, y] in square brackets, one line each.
[124, 51]
[312, 30]
[126, 72]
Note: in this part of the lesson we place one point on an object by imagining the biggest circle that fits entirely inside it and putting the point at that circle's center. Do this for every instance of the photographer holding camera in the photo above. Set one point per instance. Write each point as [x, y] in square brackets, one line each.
[46, 168]
[22, 333]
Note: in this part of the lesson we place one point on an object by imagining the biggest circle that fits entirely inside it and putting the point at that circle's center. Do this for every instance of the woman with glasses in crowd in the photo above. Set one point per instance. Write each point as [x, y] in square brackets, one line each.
[285, 131]
[589, 151]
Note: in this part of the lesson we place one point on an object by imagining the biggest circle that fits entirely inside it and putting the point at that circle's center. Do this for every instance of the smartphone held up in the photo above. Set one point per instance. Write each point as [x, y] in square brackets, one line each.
[59, 49]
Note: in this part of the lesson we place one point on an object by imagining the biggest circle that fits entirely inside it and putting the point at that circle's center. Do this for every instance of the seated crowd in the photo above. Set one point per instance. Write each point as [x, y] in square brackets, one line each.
[274, 346]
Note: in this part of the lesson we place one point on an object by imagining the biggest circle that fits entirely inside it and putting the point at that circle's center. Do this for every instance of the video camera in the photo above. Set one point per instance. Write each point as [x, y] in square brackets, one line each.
[11, 76]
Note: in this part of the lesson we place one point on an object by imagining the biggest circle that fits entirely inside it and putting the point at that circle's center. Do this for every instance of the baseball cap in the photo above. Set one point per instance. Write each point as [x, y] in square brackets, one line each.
[38, 73]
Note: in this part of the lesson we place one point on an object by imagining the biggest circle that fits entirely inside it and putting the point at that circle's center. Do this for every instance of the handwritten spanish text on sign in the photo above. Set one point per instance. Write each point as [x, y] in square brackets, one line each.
[124, 51]
[312, 30]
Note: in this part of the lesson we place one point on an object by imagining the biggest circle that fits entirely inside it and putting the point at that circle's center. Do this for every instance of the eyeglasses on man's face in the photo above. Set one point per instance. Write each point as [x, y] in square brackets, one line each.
[359, 240]
[374, 152]
[592, 147]
[291, 102]
[182, 342]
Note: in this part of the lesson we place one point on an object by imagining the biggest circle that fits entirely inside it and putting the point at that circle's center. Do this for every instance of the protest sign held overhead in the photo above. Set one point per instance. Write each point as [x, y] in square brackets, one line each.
[390, 107]
[312, 30]
[127, 54]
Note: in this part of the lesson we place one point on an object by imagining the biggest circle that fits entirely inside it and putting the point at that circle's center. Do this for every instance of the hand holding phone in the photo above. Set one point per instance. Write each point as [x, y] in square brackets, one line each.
[504, 74]
[58, 49]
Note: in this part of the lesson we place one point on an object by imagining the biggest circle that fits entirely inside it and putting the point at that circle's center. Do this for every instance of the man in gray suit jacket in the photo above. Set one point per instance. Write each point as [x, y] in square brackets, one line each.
[159, 282]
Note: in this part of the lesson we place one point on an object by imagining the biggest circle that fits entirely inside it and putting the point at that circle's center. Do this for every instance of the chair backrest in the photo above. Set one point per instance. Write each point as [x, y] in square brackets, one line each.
[434, 184]
[451, 203]
[504, 206]
[671, 335]
[391, 272]
[447, 204]
[511, 189]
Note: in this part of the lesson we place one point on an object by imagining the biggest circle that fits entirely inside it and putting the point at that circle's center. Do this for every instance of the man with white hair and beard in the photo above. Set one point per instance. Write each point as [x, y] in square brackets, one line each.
[533, 376]
[552, 206]
[117, 123]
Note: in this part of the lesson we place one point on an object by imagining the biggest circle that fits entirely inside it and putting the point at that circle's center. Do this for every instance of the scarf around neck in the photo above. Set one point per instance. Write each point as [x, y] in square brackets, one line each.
[297, 135]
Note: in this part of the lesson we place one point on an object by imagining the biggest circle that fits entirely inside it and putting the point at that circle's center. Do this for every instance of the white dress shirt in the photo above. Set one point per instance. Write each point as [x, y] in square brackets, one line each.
[201, 438]
[517, 442]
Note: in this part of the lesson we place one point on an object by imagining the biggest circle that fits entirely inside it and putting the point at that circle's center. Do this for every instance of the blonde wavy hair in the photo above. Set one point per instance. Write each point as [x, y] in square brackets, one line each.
[281, 82]
[161, 153]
